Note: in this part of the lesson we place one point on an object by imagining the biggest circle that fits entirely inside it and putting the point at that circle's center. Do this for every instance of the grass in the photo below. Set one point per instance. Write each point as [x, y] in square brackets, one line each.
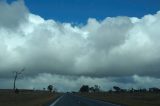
[26, 98]
[127, 99]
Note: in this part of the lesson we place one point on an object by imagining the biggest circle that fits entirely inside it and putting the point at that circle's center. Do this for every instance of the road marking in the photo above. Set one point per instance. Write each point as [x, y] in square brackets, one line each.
[56, 101]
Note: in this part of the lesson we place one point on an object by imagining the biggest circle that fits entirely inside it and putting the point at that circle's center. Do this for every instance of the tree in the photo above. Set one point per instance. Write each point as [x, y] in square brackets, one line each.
[117, 89]
[96, 88]
[92, 89]
[17, 73]
[84, 88]
[50, 88]
[154, 89]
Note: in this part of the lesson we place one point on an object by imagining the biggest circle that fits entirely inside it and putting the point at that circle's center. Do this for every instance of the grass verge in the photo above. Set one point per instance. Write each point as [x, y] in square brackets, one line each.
[26, 98]
[127, 99]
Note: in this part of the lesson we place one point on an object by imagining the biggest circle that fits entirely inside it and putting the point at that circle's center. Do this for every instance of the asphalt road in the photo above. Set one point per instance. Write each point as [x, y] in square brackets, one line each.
[72, 100]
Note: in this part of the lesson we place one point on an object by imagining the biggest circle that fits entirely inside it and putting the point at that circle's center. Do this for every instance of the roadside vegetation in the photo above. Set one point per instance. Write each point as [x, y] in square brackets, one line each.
[26, 98]
[124, 97]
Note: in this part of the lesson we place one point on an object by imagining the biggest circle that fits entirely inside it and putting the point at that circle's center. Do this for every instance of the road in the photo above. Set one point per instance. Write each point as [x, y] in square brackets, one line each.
[73, 100]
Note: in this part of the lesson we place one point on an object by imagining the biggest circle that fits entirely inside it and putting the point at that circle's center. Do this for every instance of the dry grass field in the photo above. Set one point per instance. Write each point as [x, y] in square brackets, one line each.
[26, 98]
[127, 99]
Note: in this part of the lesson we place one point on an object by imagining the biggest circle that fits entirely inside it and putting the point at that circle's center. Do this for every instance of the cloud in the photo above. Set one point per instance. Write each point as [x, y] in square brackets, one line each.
[73, 83]
[116, 46]
[12, 15]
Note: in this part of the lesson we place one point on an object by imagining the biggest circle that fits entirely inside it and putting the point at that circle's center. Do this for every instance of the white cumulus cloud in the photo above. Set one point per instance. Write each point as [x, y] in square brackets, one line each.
[116, 46]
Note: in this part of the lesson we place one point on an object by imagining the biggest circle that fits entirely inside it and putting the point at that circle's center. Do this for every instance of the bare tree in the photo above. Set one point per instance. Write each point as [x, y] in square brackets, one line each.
[17, 73]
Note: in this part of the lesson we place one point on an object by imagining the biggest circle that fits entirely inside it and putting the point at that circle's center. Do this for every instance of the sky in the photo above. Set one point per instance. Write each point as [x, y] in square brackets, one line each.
[72, 43]
[78, 11]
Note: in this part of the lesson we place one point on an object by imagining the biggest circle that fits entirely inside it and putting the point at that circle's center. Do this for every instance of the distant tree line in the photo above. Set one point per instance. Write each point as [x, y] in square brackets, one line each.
[116, 89]
[132, 90]
[86, 88]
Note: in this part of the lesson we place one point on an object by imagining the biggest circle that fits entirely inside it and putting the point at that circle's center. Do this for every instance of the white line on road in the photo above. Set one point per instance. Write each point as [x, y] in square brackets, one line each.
[56, 101]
